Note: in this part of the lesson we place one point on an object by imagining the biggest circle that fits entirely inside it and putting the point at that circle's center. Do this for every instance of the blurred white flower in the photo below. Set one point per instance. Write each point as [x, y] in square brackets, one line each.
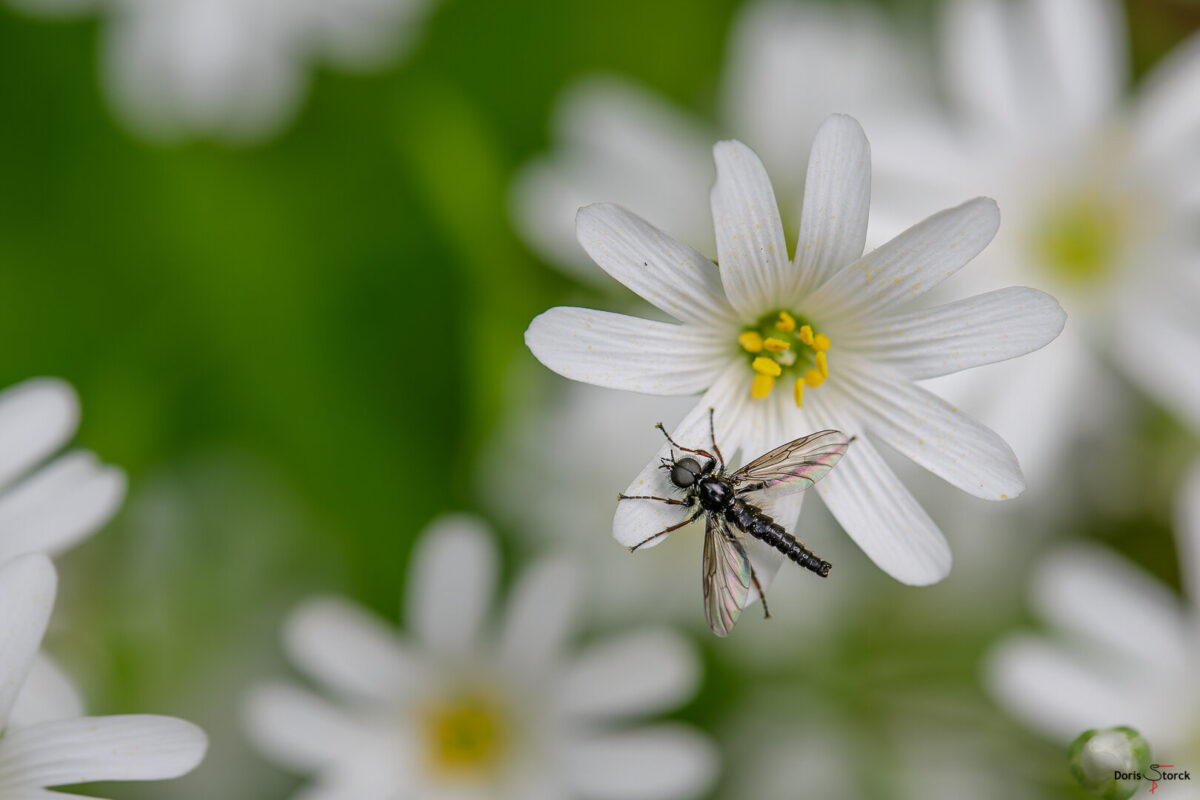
[1100, 198]
[1123, 648]
[832, 320]
[235, 70]
[36, 753]
[458, 713]
[788, 67]
[48, 507]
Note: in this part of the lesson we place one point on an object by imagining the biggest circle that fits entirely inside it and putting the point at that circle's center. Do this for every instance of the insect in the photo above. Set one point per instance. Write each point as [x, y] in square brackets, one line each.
[726, 500]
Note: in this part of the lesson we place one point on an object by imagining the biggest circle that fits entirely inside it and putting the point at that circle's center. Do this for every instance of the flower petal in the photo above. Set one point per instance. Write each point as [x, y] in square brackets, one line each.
[664, 272]
[351, 651]
[27, 587]
[622, 352]
[909, 265]
[1057, 693]
[967, 333]
[1100, 597]
[542, 607]
[878, 513]
[48, 694]
[983, 66]
[137, 747]
[631, 674]
[1162, 357]
[36, 418]
[930, 431]
[451, 582]
[771, 97]
[59, 505]
[618, 142]
[1187, 535]
[1084, 43]
[1167, 115]
[636, 520]
[751, 249]
[837, 195]
[664, 762]
[299, 730]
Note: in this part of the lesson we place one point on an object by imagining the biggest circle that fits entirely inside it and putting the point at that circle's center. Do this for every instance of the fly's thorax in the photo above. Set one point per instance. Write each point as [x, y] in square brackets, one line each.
[715, 493]
[786, 347]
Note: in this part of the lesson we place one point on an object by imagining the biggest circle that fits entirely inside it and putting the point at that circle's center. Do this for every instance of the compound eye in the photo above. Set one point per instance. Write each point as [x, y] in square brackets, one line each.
[684, 473]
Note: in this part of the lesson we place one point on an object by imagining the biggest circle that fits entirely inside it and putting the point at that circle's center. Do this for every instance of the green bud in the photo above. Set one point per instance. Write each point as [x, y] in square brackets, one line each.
[1110, 762]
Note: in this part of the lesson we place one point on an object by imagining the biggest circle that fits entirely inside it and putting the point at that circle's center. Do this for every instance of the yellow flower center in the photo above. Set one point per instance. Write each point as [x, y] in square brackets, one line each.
[1080, 238]
[466, 736]
[782, 346]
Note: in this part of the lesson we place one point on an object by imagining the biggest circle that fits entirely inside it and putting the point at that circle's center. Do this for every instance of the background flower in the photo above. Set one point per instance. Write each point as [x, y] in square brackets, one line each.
[1123, 648]
[48, 506]
[55, 752]
[235, 70]
[459, 711]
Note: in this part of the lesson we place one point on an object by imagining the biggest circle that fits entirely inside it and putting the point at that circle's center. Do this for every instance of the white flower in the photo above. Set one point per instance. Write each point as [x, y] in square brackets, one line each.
[833, 320]
[36, 754]
[457, 713]
[1100, 197]
[1123, 649]
[236, 70]
[48, 507]
[788, 66]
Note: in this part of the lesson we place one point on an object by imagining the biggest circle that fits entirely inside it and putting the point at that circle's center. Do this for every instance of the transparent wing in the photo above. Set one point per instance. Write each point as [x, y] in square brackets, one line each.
[726, 576]
[797, 465]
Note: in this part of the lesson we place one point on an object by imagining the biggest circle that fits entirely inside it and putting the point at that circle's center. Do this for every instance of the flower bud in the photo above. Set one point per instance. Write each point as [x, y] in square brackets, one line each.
[1111, 762]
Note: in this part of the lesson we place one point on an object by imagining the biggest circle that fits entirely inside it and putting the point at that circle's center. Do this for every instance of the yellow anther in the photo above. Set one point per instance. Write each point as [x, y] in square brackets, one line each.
[761, 386]
[806, 334]
[786, 322]
[798, 391]
[765, 366]
[775, 345]
[821, 342]
[751, 341]
[823, 363]
[814, 378]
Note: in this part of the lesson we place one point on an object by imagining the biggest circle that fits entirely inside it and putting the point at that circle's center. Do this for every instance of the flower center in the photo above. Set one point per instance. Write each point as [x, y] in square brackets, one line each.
[1080, 238]
[785, 346]
[466, 736]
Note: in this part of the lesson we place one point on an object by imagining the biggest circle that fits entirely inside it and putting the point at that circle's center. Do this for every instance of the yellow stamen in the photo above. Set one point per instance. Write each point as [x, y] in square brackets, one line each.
[786, 322]
[798, 391]
[761, 386]
[465, 736]
[765, 366]
[814, 378]
[823, 363]
[821, 342]
[776, 345]
[806, 334]
[751, 341]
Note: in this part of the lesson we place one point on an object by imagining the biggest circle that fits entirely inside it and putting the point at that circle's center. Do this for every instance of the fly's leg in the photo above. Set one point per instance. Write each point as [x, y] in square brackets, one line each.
[754, 577]
[712, 430]
[704, 453]
[667, 530]
[761, 594]
[688, 502]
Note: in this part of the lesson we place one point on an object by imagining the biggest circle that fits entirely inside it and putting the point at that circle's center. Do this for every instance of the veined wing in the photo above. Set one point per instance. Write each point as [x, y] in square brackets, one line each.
[726, 576]
[797, 465]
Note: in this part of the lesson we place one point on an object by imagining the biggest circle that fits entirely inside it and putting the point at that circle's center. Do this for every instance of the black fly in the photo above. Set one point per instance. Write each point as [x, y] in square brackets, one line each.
[728, 574]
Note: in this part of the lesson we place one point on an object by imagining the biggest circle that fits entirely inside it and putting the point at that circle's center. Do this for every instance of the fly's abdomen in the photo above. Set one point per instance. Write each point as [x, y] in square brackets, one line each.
[760, 525]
